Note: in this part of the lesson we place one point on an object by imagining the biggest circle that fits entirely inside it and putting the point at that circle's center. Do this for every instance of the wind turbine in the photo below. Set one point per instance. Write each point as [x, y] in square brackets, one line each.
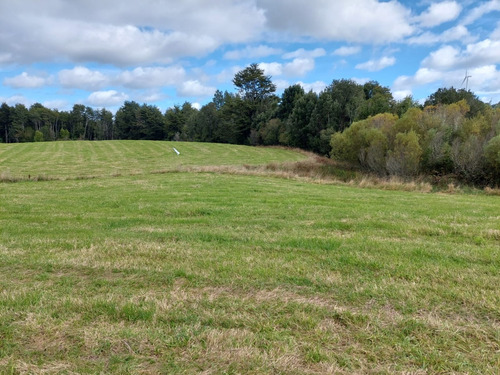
[466, 81]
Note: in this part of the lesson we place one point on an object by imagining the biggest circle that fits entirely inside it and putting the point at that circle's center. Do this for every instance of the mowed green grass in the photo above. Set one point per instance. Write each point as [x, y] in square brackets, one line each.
[212, 273]
[111, 158]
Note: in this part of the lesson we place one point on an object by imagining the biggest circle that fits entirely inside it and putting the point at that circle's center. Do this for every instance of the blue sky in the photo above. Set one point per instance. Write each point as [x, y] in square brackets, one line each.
[165, 52]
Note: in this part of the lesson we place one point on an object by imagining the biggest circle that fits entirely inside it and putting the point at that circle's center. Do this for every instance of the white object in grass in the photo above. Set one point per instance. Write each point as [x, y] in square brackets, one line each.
[177, 152]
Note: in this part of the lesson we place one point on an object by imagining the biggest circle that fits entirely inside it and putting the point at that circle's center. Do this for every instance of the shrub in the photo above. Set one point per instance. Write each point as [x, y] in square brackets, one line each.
[64, 134]
[38, 136]
[492, 156]
[404, 160]
[467, 157]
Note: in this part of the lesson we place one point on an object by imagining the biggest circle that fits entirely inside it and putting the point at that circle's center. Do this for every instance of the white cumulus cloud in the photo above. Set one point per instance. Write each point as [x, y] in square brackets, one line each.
[495, 35]
[145, 32]
[146, 77]
[316, 86]
[347, 51]
[272, 69]
[25, 80]
[360, 21]
[106, 98]
[298, 67]
[301, 53]
[376, 65]
[195, 88]
[485, 52]
[481, 10]
[81, 77]
[439, 13]
[456, 33]
[251, 52]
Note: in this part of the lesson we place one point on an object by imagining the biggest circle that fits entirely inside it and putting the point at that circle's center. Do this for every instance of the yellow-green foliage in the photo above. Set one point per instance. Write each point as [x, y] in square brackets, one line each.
[492, 153]
[404, 160]
[436, 139]
[38, 136]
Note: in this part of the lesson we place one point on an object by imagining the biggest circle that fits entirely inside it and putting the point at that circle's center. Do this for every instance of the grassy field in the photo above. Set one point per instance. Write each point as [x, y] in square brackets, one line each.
[213, 273]
[58, 160]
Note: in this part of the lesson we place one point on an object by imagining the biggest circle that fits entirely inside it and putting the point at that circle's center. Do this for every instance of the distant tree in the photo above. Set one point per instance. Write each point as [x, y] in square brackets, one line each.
[452, 95]
[299, 132]
[19, 117]
[176, 119]
[347, 98]
[153, 122]
[77, 121]
[252, 107]
[218, 100]
[202, 126]
[253, 84]
[127, 126]
[105, 124]
[5, 122]
[400, 107]
[288, 100]
[321, 124]
[271, 131]
[378, 99]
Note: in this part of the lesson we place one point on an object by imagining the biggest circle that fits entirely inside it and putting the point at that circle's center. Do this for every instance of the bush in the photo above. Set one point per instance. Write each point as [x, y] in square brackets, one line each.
[404, 160]
[467, 157]
[38, 136]
[64, 134]
[492, 156]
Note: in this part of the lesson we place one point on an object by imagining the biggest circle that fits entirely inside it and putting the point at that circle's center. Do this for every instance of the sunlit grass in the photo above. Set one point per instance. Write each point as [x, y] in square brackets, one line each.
[55, 160]
[218, 273]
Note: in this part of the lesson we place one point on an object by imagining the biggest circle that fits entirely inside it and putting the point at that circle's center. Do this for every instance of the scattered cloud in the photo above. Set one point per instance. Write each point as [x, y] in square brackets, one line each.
[305, 54]
[316, 86]
[347, 51]
[160, 51]
[227, 74]
[272, 69]
[251, 52]
[481, 10]
[150, 97]
[343, 20]
[456, 33]
[15, 99]
[194, 88]
[298, 67]
[57, 103]
[106, 98]
[83, 78]
[439, 13]
[24, 80]
[281, 84]
[81, 31]
[422, 77]
[495, 35]
[401, 94]
[376, 65]
[485, 52]
[361, 81]
[151, 77]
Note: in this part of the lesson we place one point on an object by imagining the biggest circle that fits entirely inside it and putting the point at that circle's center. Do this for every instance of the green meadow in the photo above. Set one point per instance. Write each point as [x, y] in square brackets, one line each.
[62, 160]
[120, 260]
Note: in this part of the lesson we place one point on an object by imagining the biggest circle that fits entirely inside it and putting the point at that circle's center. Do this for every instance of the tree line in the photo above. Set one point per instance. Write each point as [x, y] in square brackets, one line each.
[362, 124]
